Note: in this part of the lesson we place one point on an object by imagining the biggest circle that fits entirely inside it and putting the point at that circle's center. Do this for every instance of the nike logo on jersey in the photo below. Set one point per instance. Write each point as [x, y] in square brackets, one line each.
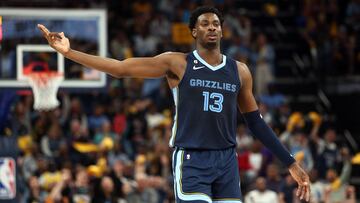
[198, 67]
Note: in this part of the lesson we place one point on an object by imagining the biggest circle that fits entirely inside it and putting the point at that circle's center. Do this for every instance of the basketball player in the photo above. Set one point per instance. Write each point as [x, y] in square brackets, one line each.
[208, 87]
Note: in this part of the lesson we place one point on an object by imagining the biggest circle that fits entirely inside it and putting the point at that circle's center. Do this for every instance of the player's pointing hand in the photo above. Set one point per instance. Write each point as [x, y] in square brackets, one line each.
[302, 178]
[56, 40]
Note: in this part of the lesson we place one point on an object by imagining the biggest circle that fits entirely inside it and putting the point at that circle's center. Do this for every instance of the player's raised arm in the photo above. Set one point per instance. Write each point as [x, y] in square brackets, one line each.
[145, 67]
[263, 132]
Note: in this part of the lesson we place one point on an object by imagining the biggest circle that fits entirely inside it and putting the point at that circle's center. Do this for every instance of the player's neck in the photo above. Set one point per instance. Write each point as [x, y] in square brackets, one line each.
[211, 56]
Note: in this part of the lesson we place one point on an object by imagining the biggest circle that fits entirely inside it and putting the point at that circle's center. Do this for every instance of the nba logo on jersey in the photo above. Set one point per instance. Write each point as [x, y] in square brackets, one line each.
[7, 178]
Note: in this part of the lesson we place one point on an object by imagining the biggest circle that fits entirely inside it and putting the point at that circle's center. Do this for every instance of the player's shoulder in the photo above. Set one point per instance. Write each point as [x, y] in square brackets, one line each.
[173, 59]
[173, 55]
[244, 73]
[242, 67]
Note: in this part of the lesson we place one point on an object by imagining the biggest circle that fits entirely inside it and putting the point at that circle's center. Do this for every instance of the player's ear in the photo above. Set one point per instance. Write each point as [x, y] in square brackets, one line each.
[194, 33]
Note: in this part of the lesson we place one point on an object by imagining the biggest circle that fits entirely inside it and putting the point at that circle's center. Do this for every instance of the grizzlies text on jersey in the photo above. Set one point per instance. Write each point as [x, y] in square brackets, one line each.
[206, 105]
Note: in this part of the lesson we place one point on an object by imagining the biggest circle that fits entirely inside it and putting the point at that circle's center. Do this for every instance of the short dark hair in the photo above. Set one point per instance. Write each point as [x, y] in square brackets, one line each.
[201, 10]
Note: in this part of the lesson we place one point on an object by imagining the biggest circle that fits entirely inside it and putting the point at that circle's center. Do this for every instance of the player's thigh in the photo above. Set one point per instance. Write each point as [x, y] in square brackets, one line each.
[226, 187]
[192, 177]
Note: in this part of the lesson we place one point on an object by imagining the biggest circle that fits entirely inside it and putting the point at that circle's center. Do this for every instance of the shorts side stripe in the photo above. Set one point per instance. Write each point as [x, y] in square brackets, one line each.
[186, 196]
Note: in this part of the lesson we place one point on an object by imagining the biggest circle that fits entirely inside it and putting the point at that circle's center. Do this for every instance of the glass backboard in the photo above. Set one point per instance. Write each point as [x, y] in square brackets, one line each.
[22, 46]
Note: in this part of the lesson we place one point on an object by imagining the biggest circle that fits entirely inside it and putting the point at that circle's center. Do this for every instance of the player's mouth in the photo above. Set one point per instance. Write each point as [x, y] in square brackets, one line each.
[212, 36]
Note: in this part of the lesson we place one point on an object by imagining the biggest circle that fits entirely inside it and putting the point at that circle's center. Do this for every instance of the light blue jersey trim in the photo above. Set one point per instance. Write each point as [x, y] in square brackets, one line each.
[175, 92]
[186, 196]
[214, 68]
[173, 168]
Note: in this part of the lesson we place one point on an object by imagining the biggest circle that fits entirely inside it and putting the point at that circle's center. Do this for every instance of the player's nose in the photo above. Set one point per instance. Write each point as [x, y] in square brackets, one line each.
[211, 27]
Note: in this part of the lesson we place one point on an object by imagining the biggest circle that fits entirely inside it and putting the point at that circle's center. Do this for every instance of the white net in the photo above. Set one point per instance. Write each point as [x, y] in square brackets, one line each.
[45, 86]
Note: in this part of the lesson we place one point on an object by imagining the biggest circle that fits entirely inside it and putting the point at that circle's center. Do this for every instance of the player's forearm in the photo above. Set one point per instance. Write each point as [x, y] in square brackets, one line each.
[264, 133]
[107, 65]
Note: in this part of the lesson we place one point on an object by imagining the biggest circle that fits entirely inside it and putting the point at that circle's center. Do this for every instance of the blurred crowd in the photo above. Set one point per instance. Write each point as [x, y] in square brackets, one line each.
[331, 29]
[112, 145]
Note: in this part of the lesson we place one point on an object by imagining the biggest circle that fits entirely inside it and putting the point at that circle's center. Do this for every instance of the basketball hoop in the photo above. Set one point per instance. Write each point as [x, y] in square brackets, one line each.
[45, 85]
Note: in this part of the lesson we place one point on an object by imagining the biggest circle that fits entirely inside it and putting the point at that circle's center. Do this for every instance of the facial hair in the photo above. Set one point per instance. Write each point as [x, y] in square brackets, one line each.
[209, 45]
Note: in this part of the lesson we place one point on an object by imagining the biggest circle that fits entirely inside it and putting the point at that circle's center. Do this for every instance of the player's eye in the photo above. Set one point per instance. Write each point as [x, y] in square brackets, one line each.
[204, 23]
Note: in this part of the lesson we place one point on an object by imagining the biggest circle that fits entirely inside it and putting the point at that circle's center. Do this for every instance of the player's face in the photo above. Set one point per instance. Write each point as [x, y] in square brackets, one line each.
[208, 30]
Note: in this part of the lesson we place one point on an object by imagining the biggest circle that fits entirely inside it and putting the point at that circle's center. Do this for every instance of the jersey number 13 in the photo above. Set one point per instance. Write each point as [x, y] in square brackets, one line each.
[215, 99]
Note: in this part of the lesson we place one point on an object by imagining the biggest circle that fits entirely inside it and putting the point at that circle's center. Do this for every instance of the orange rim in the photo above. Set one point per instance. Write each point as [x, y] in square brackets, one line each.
[41, 78]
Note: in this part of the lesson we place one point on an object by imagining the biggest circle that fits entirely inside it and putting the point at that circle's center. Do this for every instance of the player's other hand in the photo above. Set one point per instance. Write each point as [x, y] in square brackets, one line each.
[56, 40]
[302, 178]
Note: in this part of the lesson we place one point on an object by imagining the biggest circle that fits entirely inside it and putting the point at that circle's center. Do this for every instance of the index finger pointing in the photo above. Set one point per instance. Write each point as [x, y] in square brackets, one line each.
[43, 29]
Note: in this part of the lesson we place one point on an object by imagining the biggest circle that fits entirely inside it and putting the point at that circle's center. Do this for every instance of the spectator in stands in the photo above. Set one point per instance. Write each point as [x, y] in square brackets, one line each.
[317, 187]
[97, 119]
[327, 150]
[52, 141]
[36, 195]
[264, 68]
[144, 43]
[117, 154]
[120, 46]
[119, 120]
[160, 20]
[238, 50]
[6, 101]
[82, 187]
[281, 116]
[20, 120]
[76, 111]
[60, 190]
[261, 193]
[105, 191]
[76, 132]
[350, 196]
[29, 161]
[337, 186]
[273, 178]
[299, 147]
[105, 133]
[166, 6]
[117, 176]
[252, 162]
[40, 126]
[288, 188]
[240, 25]
[78, 135]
